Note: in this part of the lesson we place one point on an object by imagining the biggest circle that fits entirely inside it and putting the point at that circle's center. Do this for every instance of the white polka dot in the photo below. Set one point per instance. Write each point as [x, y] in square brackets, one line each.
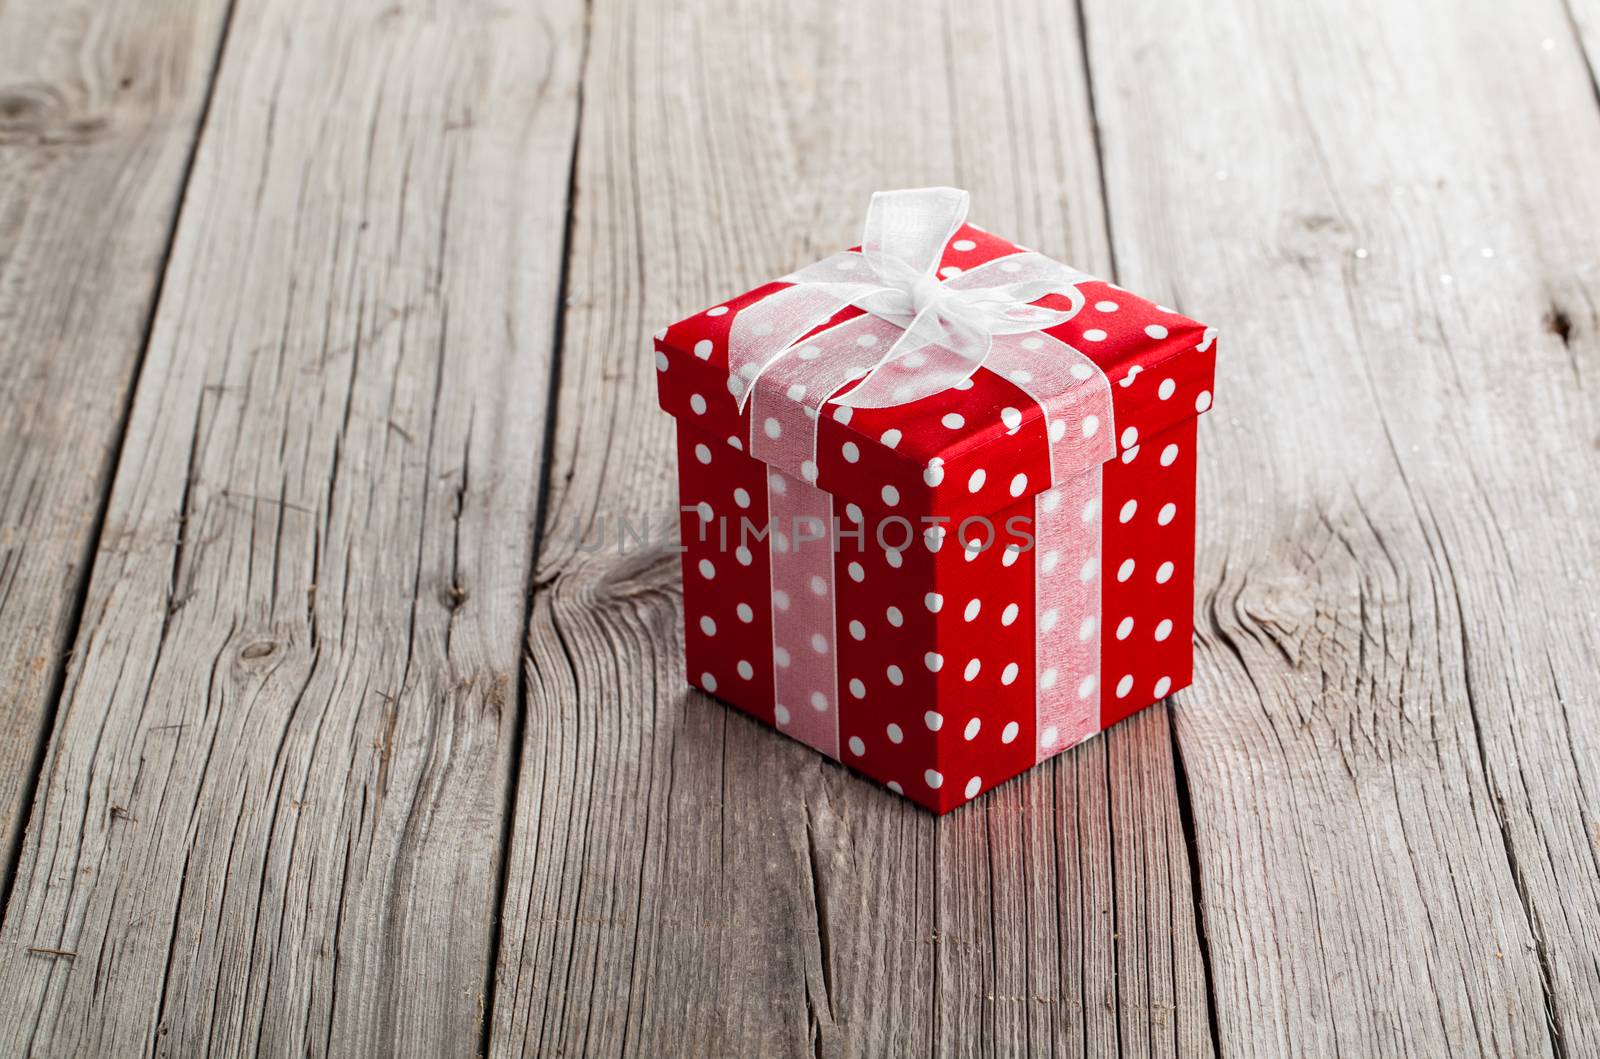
[819, 643]
[842, 414]
[1008, 734]
[746, 615]
[797, 392]
[857, 747]
[891, 495]
[949, 271]
[975, 482]
[1130, 437]
[894, 616]
[1164, 629]
[1011, 418]
[954, 420]
[720, 310]
[1081, 372]
[1008, 675]
[819, 702]
[1086, 686]
[1009, 615]
[742, 554]
[1047, 679]
[1086, 629]
[780, 599]
[1169, 455]
[853, 513]
[780, 713]
[1166, 388]
[661, 361]
[1156, 331]
[1125, 571]
[707, 571]
[773, 429]
[1166, 514]
[1124, 685]
[1094, 334]
[1127, 511]
[974, 785]
[1091, 426]
[746, 670]
[1047, 738]
[971, 730]
[1091, 509]
[866, 340]
[1202, 401]
[857, 688]
[889, 438]
[895, 676]
[702, 349]
[702, 453]
[741, 497]
[933, 778]
[934, 474]
[1058, 430]
[819, 586]
[858, 631]
[1049, 561]
[1129, 455]
[1124, 628]
[857, 572]
[708, 682]
[894, 733]
[736, 443]
[808, 470]
[1163, 573]
[778, 483]
[761, 329]
[963, 245]
[1048, 619]
[895, 786]
[1106, 307]
[934, 720]
[933, 601]
[934, 661]
[1019, 485]
[809, 353]
[708, 626]
[1090, 567]
[1163, 686]
[849, 451]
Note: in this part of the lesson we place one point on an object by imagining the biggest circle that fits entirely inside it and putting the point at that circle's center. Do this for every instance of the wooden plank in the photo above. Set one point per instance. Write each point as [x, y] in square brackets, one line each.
[682, 881]
[1392, 213]
[100, 105]
[272, 810]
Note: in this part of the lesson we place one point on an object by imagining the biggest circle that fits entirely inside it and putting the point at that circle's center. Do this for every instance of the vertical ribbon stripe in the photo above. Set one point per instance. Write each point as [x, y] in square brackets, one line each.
[805, 663]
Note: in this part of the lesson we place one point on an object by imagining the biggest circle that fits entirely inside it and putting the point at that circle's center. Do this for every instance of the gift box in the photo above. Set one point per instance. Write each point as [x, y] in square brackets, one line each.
[937, 500]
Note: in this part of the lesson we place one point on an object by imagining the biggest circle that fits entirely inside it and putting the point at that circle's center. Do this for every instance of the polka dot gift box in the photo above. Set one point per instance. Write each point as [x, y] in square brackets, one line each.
[937, 500]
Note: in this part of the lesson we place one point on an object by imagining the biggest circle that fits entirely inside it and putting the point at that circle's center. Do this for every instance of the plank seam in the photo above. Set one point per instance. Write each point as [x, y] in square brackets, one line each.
[108, 475]
[1192, 846]
[530, 588]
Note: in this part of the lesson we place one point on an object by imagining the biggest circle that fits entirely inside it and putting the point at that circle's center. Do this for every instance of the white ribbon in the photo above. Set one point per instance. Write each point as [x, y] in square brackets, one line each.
[946, 329]
[920, 336]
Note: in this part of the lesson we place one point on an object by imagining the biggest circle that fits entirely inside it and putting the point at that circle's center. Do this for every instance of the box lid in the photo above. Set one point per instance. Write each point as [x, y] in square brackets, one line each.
[986, 436]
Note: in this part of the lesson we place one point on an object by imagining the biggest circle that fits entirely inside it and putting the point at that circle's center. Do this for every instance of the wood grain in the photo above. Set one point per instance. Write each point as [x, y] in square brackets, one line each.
[1390, 742]
[100, 105]
[681, 881]
[271, 815]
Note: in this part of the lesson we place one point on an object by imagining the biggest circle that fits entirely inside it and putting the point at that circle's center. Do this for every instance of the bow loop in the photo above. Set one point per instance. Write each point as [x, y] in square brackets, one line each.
[946, 329]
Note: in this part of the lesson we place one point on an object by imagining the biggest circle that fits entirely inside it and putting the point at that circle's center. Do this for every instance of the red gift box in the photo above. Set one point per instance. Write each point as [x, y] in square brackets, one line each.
[944, 592]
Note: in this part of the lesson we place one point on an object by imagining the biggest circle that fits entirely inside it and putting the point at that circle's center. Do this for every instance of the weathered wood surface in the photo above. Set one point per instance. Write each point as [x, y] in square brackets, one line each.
[271, 815]
[1391, 744]
[294, 763]
[680, 881]
[99, 107]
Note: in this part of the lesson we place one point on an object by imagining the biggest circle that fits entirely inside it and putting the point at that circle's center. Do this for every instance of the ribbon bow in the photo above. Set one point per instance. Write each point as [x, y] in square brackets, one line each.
[945, 330]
